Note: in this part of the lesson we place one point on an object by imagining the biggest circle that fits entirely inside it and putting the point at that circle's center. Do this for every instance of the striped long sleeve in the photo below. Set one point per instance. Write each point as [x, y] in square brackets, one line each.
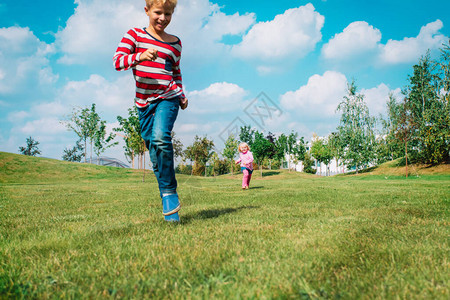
[155, 80]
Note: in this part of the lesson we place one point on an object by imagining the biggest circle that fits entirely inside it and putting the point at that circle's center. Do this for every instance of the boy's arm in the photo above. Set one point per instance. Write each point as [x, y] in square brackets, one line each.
[178, 80]
[183, 103]
[125, 57]
[177, 75]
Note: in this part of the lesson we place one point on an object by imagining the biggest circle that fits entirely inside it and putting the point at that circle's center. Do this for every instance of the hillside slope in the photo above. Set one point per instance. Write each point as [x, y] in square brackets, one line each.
[394, 168]
[16, 168]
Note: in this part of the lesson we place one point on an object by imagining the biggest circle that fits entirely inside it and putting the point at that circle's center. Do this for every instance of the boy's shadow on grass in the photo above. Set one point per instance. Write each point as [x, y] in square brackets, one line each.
[213, 213]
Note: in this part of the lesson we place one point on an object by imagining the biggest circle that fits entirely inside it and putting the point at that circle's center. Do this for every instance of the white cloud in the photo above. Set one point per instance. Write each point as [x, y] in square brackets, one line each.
[358, 37]
[42, 127]
[410, 49]
[292, 34]
[17, 116]
[319, 97]
[202, 25]
[361, 41]
[93, 32]
[47, 77]
[42, 120]
[312, 108]
[218, 97]
[265, 70]
[111, 97]
[18, 40]
[186, 130]
[315, 103]
[46, 109]
[377, 97]
[193, 128]
[24, 62]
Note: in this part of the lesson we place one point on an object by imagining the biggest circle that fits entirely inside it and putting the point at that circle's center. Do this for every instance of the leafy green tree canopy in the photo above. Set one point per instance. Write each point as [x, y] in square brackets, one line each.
[31, 149]
[356, 129]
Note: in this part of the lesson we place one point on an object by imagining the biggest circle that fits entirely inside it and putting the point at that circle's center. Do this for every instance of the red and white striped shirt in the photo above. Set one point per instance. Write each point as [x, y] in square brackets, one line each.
[155, 80]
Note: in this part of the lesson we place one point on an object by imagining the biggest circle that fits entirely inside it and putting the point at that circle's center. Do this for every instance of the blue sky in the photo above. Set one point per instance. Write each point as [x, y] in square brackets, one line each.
[295, 56]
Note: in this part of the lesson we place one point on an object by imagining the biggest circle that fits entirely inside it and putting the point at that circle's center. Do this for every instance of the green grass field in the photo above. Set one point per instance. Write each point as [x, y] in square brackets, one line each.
[70, 230]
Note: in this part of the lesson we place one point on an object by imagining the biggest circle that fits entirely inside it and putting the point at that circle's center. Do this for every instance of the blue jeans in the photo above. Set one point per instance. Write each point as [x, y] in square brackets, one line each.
[156, 121]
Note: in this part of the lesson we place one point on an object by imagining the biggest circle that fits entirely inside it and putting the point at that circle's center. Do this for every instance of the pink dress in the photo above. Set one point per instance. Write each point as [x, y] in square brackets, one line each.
[246, 160]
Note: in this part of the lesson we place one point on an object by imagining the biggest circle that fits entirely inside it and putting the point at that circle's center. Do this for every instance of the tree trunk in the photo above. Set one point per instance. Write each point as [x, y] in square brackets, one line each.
[85, 151]
[406, 157]
[337, 165]
[143, 173]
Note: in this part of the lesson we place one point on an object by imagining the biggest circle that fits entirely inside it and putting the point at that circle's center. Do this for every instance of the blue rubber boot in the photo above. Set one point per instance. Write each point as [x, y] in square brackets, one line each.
[171, 206]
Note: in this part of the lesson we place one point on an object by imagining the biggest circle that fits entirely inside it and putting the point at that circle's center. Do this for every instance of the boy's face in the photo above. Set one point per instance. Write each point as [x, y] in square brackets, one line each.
[159, 15]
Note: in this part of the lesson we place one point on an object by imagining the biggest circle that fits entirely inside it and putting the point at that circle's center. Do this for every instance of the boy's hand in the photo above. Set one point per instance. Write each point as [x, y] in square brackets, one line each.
[183, 103]
[149, 54]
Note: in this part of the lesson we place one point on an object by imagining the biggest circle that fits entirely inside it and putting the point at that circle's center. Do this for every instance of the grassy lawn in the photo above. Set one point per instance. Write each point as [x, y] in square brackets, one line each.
[71, 230]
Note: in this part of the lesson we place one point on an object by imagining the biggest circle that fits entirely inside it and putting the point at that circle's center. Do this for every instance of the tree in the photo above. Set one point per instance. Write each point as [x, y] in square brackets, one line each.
[356, 129]
[101, 141]
[297, 150]
[260, 148]
[422, 103]
[389, 147]
[335, 146]
[177, 145]
[273, 152]
[317, 150]
[322, 152]
[440, 132]
[74, 154]
[406, 127]
[291, 147]
[247, 135]
[282, 147]
[31, 149]
[308, 162]
[230, 150]
[214, 161]
[84, 122]
[199, 152]
[131, 132]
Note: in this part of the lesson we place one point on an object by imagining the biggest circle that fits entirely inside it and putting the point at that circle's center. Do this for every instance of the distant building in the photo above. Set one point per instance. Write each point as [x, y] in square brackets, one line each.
[321, 168]
[108, 161]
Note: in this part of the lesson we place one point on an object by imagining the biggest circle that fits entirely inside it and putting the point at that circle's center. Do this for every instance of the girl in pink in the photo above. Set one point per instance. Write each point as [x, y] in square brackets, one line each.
[246, 160]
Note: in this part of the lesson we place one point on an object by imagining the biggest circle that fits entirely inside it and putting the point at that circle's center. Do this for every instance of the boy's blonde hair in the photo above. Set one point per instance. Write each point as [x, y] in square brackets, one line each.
[242, 145]
[172, 3]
